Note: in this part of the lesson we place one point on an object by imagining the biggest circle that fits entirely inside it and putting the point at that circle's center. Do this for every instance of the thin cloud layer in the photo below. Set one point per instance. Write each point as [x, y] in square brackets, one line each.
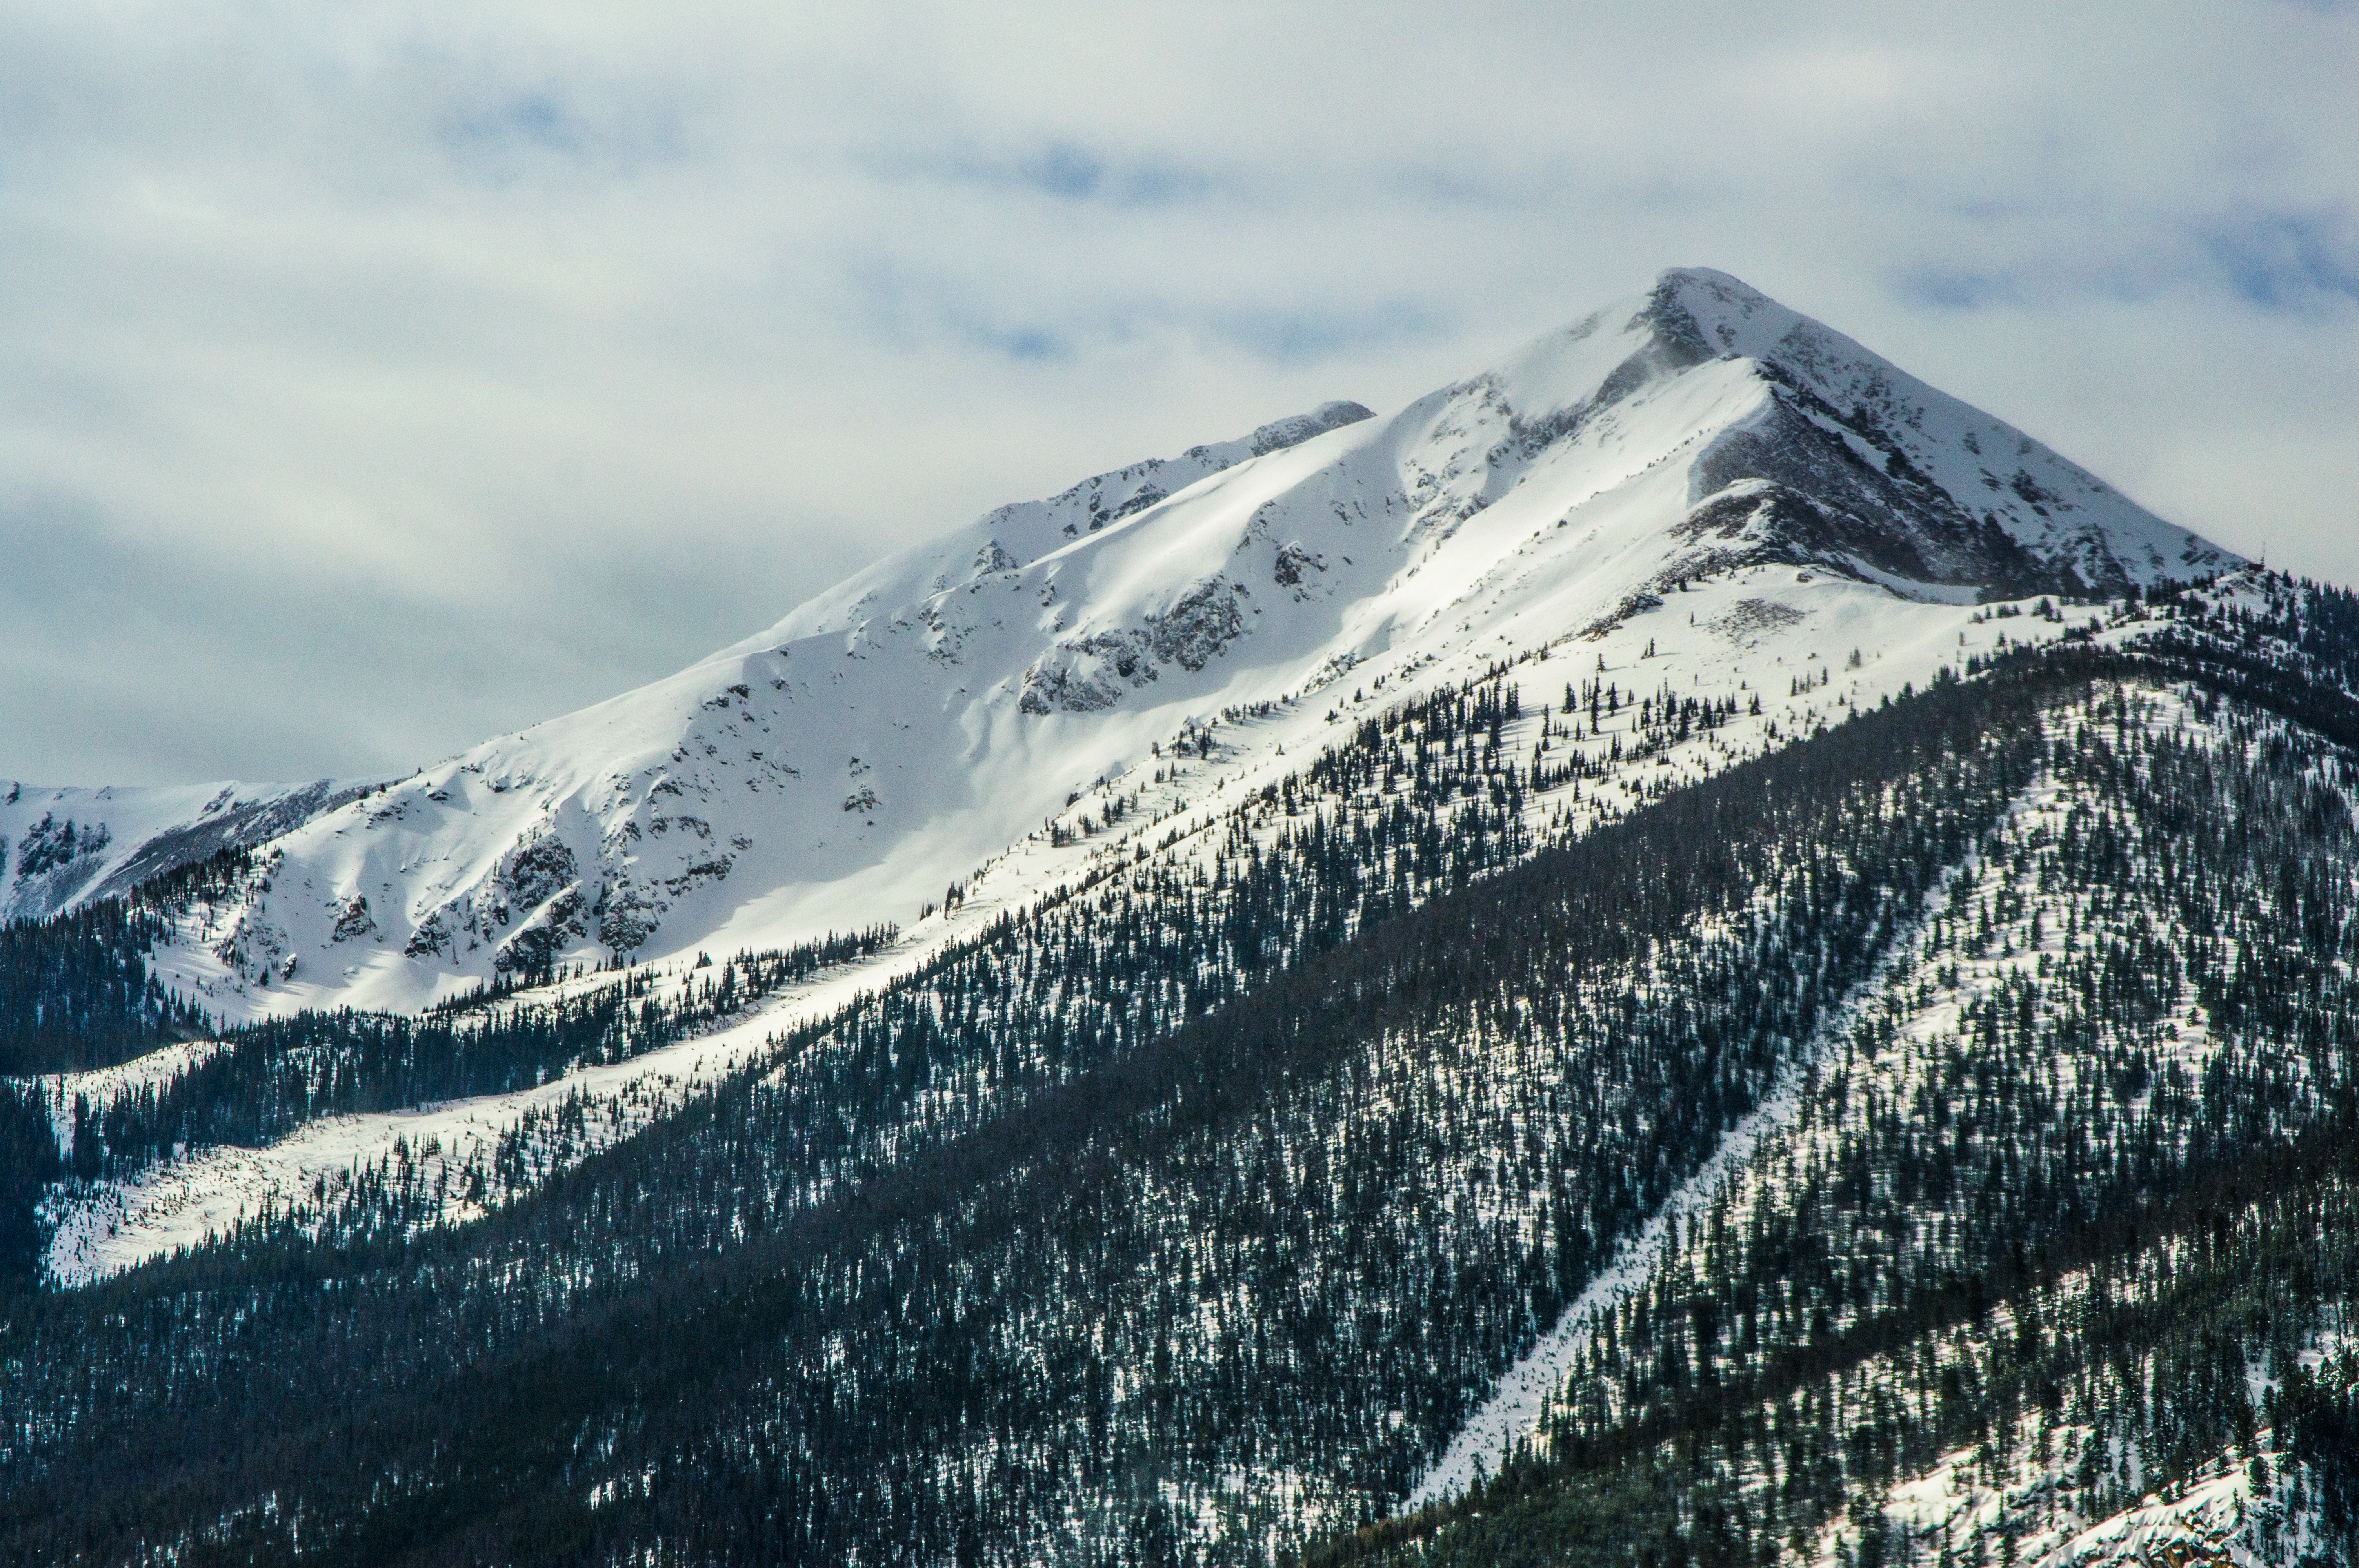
[378, 378]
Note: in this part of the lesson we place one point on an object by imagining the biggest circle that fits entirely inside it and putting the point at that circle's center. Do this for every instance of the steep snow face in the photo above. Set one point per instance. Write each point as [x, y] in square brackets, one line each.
[1022, 532]
[887, 737]
[1904, 479]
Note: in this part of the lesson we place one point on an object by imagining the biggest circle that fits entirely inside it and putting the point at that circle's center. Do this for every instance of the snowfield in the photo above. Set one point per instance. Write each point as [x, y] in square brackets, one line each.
[845, 765]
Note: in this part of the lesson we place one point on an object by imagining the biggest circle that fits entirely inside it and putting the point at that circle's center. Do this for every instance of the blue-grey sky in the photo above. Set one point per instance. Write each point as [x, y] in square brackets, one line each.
[375, 378]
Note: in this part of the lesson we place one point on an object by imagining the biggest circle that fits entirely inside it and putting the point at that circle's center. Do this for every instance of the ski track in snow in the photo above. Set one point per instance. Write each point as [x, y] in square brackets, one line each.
[1519, 1399]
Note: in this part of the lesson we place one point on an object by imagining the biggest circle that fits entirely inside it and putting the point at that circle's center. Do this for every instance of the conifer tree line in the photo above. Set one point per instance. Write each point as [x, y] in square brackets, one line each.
[271, 1077]
[76, 993]
[1205, 937]
[1186, 1219]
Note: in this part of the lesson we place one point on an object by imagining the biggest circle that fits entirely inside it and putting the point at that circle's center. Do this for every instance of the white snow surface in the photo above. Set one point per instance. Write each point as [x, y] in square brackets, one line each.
[2217, 1518]
[64, 847]
[879, 741]
[2200, 1524]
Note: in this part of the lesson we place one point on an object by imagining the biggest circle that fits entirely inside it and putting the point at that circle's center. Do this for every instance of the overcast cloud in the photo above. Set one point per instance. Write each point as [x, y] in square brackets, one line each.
[373, 378]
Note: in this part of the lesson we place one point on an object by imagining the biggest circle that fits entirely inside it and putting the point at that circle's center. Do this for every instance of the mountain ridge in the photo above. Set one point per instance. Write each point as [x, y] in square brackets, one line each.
[891, 734]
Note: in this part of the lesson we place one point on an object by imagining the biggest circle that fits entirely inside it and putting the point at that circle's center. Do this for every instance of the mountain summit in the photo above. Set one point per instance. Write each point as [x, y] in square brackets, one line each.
[886, 738]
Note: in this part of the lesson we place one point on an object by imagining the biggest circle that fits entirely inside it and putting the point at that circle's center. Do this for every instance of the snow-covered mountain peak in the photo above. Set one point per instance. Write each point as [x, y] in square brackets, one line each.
[1841, 457]
[894, 733]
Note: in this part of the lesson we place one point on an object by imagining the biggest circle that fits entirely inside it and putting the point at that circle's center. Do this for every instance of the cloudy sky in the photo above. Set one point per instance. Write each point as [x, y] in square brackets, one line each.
[375, 378]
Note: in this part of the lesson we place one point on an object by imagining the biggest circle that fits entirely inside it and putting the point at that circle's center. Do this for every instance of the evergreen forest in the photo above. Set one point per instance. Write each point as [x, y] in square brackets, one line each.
[1187, 1216]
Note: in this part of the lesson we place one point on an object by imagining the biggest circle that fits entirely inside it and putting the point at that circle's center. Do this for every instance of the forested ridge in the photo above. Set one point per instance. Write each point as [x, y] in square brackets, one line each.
[1187, 1218]
[2061, 1237]
[273, 1075]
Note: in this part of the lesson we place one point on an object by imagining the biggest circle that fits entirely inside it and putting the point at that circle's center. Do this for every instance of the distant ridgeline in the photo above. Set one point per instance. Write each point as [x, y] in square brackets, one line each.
[1186, 1218]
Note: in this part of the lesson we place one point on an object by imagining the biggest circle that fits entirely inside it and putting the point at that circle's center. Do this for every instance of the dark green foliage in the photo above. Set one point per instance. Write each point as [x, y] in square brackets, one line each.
[273, 1075]
[947, 1253]
[28, 1163]
[75, 992]
[2154, 1347]
[2154, 1235]
[2325, 1427]
[75, 989]
[1639, 1515]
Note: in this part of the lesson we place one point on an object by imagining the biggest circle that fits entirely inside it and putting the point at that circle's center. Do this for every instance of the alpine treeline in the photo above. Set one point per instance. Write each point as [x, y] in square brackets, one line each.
[75, 989]
[269, 1077]
[76, 992]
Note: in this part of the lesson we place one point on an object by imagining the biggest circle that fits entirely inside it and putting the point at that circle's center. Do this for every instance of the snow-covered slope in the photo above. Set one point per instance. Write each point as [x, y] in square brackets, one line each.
[885, 739]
